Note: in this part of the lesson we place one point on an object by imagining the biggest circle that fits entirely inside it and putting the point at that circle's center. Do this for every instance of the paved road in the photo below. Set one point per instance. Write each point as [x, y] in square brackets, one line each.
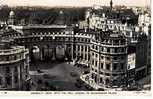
[59, 75]
[146, 82]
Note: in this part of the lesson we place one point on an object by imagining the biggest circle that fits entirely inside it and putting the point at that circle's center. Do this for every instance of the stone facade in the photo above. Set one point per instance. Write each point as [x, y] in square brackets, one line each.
[14, 67]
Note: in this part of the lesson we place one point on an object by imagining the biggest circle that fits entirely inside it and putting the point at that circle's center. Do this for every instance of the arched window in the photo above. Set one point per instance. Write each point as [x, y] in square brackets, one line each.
[107, 81]
[101, 80]
[0, 80]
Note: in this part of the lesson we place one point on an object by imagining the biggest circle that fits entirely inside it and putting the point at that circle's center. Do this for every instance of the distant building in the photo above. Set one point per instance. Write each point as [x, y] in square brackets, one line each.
[112, 18]
[144, 23]
[11, 20]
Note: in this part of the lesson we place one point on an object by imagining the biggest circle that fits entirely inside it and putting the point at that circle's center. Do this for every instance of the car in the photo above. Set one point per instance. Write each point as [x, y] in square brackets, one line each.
[75, 64]
[80, 81]
[39, 71]
[78, 85]
[101, 89]
[47, 76]
[86, 72]
[88, 87]
[73, 74]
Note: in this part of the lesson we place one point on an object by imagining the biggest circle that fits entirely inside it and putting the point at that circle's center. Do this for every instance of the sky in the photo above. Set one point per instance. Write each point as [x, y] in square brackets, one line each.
[73, 2]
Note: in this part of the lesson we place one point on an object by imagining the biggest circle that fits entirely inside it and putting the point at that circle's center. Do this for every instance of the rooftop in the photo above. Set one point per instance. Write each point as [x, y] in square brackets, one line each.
[39, 26]
[4, 45]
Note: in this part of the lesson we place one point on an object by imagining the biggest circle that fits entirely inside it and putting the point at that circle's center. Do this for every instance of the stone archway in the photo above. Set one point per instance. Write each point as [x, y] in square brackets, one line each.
[48, 52]
[34, 53]
[60, 52]
[68, 52]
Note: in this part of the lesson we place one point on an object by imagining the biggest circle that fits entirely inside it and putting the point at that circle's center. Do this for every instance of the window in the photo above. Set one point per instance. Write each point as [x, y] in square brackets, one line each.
[15, 69]
[85, 56]
[85, 48]
[122, 50]
[7, 58]
[92, 69]
[7, 70]
[107, 81]
[101, 73]
[78, 47]
[115, 66]
[96, 63]
[16, 79]
[108, 49]
[115, 58]
[92, 54]
[122, 66]
[115, 50]
[8, 80]
[114, 74]
[122, 42]
[101, 80]
[81, 48]
[93, 46]
[14, 57]
[122, 57]
[93, 76]
[101, 65]
[116, 42]
[95, 70]
[107, 74]
[93, 62]
[96, 55]
[102, 57]
[102, 49]
[0, 80]
[82, 39]
[88, 57]
[107, 66]
[96, 47]
[108, 58]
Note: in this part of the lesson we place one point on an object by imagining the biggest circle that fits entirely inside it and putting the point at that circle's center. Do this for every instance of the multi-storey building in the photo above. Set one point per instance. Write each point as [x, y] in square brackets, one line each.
[112, 18]
[109, 60]
[14, 66]
[144, 23]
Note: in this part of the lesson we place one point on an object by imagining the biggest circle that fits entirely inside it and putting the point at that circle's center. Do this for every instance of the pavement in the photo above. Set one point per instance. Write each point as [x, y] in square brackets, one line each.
[145, 82]
[61, 75]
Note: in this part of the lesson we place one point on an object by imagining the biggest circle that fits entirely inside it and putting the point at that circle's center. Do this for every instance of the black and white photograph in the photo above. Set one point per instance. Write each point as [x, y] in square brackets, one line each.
[75, 45]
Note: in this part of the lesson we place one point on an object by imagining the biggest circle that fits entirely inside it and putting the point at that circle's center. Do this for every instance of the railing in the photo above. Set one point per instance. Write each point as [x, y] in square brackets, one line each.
[11, 61]
[12, 51]
[39, 26]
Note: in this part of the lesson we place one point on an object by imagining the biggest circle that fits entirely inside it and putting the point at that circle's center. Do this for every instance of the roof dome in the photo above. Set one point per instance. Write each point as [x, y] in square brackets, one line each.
[12, 13]
[61, 12]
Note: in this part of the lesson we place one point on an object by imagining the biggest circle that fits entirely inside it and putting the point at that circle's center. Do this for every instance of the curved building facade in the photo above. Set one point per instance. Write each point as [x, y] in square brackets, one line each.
[14, 67]
[109, 60]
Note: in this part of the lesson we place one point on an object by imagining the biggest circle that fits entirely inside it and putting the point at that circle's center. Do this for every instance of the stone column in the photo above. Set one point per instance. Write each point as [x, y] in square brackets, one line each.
[19, 77]
[76, 51]
[41, 53]
[84, 52]
[13, 81]
[54, 53]
[87, 54]
[3, 80]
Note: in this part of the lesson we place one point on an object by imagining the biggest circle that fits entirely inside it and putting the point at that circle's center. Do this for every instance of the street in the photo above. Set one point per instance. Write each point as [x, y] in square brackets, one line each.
[63, 76]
